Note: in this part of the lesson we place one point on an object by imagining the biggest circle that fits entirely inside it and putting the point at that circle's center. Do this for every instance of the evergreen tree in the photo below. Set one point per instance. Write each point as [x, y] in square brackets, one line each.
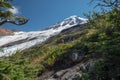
[107, 39]
[108, 3]
[6, 16]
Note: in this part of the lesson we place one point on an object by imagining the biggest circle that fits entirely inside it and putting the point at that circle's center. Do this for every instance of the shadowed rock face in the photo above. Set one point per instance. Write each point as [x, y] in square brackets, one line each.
[5, 32]
[69, 73]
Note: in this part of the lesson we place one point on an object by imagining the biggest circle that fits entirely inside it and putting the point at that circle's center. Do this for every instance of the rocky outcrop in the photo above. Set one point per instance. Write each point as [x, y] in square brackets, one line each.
[5, 32]
[76, 56]
[69, 67]
[69, 38]
[70, 73]
[74, 29]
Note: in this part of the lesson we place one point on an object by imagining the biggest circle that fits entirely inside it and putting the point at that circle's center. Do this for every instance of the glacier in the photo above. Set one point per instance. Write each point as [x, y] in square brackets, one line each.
[36, 37]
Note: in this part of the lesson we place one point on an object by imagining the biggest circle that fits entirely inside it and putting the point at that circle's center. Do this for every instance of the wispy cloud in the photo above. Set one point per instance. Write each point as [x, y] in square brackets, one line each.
[14, 10]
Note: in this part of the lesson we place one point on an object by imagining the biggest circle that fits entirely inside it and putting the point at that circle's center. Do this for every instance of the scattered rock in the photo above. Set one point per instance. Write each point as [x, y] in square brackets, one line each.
[76, 56]
[88, 66]
[59, 74]
[70, 73]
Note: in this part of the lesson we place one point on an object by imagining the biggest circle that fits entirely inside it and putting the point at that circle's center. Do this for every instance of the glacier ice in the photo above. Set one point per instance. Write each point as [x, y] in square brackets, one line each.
[36, 37]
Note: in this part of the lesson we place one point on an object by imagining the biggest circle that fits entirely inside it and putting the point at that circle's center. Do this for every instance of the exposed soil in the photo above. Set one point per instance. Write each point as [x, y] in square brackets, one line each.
[5, 32]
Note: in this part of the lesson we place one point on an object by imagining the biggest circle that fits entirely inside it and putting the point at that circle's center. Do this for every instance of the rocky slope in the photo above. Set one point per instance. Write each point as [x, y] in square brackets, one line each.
[70, 73]
[5, 32]
[70, 66]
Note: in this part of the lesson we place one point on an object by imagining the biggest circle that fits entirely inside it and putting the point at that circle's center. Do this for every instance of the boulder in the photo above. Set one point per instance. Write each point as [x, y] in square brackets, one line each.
[76, 56]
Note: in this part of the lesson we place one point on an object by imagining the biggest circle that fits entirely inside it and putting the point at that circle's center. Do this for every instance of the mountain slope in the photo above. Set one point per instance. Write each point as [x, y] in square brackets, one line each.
[53, 54]
[30, 62]
[5, 32]
[83, 52]
[76, 53]
[23, 40]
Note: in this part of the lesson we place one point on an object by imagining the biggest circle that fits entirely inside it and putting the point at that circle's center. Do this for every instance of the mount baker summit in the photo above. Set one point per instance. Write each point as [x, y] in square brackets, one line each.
[19, 40]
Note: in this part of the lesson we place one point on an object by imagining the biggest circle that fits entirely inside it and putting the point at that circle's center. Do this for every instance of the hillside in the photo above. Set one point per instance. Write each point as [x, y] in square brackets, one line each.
[5, 32]
[35, 54]
[22, 40]
[87, 51]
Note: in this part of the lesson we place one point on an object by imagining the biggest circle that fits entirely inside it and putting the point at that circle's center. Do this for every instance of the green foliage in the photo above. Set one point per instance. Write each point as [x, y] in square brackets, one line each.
[6, 16]
[108, 3]
[9, 71]
[104, 43]
[56, 52]
[101, 40]
[85, 76]
[33, 61]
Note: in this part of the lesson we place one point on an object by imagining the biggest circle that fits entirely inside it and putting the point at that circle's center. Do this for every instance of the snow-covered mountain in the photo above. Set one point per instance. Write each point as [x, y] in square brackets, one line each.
[23, 40]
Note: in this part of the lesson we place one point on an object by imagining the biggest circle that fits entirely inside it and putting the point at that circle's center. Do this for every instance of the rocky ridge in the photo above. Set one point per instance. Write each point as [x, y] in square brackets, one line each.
[5, 32]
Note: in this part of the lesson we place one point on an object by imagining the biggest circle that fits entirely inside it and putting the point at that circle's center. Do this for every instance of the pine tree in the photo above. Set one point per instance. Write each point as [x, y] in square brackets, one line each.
[6, 16]
[108, 3]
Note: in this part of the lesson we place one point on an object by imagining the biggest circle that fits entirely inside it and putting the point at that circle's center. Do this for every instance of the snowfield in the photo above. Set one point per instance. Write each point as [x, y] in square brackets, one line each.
[35, 37]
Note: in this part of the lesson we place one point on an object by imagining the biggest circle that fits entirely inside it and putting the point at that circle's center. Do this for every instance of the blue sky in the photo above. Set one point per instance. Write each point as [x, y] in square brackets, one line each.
[44, 13]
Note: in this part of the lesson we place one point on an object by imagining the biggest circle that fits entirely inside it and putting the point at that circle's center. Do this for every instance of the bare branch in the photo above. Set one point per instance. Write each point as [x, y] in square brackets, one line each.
[107, 3]
[17, 21]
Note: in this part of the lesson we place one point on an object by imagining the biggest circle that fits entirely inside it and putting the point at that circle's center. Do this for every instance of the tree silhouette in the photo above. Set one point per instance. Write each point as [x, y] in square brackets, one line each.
[108, 3]
[6, 16]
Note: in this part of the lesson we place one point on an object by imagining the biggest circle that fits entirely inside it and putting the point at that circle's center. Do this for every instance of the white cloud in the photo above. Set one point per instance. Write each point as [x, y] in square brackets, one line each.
[14, 10]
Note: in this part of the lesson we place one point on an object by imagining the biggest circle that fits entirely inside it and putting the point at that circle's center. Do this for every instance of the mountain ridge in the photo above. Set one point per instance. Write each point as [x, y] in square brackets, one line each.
[6, 32]
[23, 40]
